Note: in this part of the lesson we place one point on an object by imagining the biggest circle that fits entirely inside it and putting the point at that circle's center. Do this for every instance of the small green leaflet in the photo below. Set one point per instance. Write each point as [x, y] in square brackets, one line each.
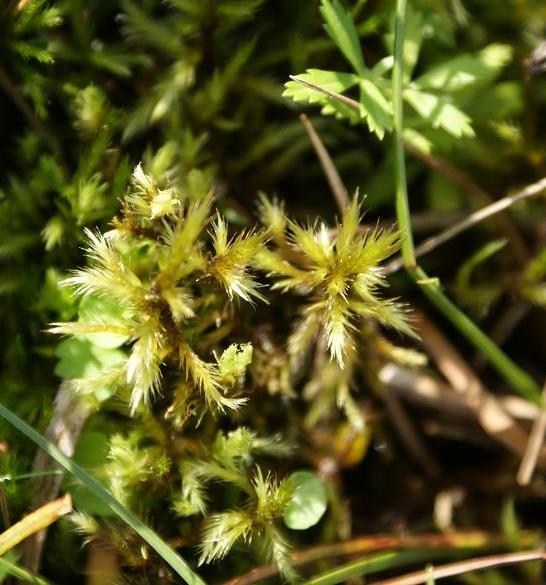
[308, 502]
[333, 81]
[341, 111]
[466, 70]
[439, 112]
[340, 26]
[376, 109]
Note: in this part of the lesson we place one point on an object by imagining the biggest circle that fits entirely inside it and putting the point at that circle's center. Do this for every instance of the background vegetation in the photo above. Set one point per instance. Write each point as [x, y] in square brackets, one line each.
[202, 305]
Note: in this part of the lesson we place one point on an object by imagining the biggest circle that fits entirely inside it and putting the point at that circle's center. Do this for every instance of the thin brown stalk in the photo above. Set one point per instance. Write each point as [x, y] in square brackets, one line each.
[334, 180]
[470, 221]
[103, 566]
[378, 542]
[462, 567]
[425, 389]
[4, 508]
[494, 420]
[534, 446]
[450, 172]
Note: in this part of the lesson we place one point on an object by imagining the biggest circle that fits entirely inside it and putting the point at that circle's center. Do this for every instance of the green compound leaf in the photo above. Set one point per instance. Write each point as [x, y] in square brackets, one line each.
[308, 502]
[341, 28]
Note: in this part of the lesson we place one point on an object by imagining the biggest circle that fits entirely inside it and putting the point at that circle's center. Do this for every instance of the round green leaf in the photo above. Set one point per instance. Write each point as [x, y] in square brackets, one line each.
[308, 502]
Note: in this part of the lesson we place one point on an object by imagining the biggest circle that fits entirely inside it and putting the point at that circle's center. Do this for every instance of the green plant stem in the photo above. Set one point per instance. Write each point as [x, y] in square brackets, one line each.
[402, 204]
[517, 377]
[177, 563]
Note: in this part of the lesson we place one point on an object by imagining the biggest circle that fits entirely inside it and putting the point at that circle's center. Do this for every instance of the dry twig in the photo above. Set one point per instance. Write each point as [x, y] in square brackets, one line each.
[34, 522]
[503, 327]
[334, 180]
[536, 439]
[462, 567]
[492, 417]
[425, 389]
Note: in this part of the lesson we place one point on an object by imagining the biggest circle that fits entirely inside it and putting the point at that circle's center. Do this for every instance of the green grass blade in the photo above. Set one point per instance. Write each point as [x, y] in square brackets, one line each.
[375, 563]
[176, 562]
[23, 575]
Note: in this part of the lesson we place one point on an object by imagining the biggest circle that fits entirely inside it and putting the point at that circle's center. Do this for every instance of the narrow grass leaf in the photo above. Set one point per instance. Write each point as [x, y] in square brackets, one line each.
[176, 562]
[10, 568]
[374, 564]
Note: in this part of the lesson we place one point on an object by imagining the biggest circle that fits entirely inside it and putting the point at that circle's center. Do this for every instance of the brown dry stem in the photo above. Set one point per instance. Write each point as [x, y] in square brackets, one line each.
[462, 567]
